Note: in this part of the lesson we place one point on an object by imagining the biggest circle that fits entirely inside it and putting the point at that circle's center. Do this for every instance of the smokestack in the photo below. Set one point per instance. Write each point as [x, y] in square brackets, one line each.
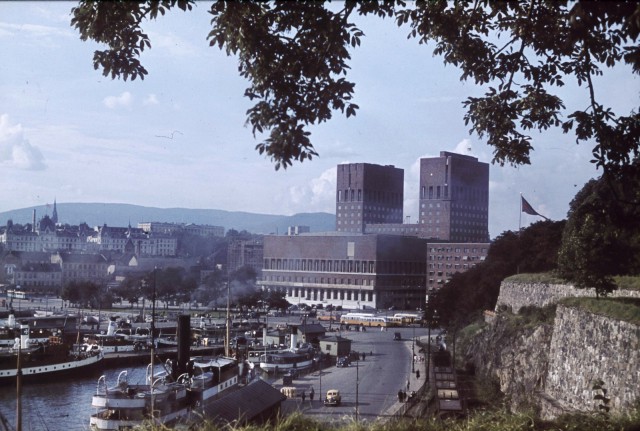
[33, 226]
[294, 337]
[184, 341]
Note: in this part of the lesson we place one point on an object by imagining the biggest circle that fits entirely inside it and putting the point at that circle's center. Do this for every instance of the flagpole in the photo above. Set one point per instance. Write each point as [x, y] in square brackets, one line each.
[519, 231]
[520, 218]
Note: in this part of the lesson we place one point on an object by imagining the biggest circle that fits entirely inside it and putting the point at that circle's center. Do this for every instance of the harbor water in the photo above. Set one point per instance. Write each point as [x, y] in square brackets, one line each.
[60, 405]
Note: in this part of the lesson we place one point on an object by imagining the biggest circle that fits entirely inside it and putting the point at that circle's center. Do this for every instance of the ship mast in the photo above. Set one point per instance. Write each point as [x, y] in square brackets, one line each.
[226, 339]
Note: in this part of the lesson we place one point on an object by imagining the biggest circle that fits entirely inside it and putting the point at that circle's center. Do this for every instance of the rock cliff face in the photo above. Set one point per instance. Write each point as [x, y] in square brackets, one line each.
[552, 367]
[587, 347]
[517, 358]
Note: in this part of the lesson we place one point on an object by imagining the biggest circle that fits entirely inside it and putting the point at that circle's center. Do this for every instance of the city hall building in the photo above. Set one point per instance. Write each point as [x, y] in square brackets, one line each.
[355, 271]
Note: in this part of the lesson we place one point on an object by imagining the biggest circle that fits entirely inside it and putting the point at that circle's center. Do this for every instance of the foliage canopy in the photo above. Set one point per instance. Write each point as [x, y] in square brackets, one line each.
[533, 250]
[602, 236]
[295, 56]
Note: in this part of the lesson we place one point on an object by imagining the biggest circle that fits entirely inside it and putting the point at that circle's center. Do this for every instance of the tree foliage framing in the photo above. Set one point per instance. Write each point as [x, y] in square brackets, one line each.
[295, 57]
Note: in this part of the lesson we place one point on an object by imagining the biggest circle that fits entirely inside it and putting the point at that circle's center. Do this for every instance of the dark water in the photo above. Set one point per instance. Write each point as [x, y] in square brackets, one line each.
[59, 405]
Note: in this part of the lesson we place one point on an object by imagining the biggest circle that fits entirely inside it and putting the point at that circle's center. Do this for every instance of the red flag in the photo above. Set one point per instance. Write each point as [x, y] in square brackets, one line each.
[527, 208]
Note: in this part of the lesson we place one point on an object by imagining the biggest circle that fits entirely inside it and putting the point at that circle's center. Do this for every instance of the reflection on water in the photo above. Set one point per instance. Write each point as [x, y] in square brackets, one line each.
[59, 405]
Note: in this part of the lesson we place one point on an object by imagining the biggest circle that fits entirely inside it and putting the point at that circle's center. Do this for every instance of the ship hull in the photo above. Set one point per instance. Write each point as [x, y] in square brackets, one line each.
[39, 372]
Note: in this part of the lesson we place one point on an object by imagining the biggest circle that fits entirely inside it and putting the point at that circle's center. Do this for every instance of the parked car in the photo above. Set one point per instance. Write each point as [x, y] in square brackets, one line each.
[343, 362]
[333, 398]
[293, 373]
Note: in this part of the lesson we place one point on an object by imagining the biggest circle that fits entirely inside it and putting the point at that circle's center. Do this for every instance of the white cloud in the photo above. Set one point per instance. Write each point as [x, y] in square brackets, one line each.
[171, 45]
[151, 99]
[123, 100]
[15, 150]
[464, 147]
[318, 194]
[31, 31]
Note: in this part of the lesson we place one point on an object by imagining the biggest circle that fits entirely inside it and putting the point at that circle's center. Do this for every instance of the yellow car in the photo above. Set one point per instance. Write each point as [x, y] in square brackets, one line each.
[333, 398]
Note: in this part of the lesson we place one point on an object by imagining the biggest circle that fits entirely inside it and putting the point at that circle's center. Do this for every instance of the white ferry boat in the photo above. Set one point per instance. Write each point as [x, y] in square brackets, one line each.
[44, 360]
[293, 358]
[126, 405]
[114, 342]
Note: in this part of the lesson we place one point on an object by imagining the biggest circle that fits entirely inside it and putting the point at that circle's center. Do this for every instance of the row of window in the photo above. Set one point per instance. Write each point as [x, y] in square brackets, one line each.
[319, 280]
[321, 295]
[457, 266]
[454, 258]
[353, 195]
[352, 266]
[457, 250]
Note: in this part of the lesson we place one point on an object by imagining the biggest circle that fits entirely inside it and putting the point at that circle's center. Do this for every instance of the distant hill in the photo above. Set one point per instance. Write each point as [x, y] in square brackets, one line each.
[97, 214]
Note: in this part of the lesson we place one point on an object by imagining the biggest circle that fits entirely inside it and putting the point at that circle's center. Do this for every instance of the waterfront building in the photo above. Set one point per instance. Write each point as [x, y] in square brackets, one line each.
[245, 252]
[368, 193]
[202, 230]
[355, 271]
[444, 259]
[82, 267]
[133, 240]
[454, 198]
[41, 277]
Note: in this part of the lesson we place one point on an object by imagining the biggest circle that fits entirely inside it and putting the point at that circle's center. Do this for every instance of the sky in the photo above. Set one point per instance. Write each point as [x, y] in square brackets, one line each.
[178, 138]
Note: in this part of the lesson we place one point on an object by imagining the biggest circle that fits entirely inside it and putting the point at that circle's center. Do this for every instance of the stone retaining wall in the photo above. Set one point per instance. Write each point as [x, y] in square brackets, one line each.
[587, 347]
[552, 367]
[517, 295]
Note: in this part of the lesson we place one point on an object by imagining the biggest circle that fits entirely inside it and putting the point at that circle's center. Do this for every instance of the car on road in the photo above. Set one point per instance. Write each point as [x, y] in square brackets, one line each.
[333, 398]
[343, 362]
[293, 373]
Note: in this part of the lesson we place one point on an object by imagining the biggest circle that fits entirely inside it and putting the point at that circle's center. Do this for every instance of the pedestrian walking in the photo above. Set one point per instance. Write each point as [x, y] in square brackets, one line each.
[408, 384]
[417, 374]
[304, 396]
[311, 394]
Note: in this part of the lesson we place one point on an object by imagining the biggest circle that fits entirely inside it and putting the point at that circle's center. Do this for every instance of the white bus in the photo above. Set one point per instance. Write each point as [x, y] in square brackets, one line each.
[409, 318]
[362, 319]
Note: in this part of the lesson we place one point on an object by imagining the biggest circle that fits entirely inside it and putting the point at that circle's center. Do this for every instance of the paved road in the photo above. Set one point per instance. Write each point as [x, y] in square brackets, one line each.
[374, 382]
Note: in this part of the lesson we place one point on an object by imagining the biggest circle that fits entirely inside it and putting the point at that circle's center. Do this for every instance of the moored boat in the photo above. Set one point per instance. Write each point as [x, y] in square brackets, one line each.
[113, 342]
[182, 388]
[293, 358]
[44, 360]
[284, 361]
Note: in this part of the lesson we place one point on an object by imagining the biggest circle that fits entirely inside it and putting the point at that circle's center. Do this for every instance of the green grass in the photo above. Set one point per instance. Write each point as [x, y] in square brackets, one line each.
[625, 309]
[486, 420]
[628, 282]
[542, 277]
[624, 282]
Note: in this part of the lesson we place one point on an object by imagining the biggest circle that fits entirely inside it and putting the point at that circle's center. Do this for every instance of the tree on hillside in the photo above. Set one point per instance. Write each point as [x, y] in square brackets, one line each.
[131, 288]
[85, 294]
[169, 284]
[467, 294]
[602, 236]
[295, 56]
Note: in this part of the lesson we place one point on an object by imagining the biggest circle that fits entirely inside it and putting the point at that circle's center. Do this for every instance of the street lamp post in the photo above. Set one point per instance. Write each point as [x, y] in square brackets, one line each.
[357, 384]
[413, 350]
[153, 340]
[428, 338]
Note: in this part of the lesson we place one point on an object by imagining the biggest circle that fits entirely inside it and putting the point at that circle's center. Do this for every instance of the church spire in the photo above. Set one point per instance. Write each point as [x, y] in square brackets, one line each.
[54, 216]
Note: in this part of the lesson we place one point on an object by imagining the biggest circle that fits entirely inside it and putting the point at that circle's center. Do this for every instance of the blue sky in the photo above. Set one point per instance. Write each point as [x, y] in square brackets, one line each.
[178, 138]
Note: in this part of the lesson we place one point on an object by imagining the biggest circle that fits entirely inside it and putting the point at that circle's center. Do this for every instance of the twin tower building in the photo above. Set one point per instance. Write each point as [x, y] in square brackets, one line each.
[375, 260]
